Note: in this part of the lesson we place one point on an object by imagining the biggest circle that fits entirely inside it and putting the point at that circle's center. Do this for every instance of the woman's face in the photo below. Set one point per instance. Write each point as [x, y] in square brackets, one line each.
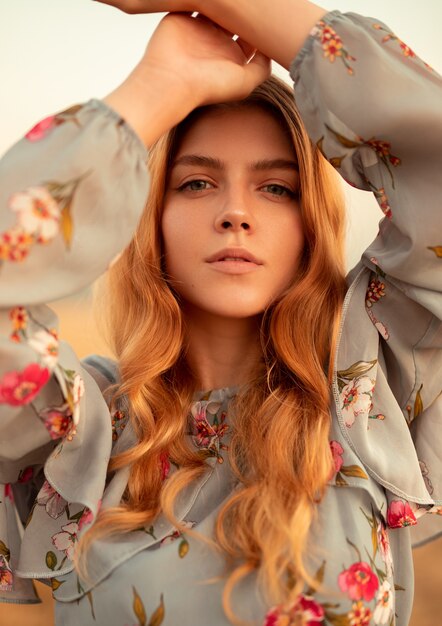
[231, 223]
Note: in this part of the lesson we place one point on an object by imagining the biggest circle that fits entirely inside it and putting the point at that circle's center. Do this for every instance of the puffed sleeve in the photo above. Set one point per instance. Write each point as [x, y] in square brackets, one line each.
[71, 193]
[374, 109]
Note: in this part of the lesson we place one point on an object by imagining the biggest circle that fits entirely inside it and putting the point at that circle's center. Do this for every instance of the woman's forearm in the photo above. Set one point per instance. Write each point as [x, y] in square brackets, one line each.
[278, 28]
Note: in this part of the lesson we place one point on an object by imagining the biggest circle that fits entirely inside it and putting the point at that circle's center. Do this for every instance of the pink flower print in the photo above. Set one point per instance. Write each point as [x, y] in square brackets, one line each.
[18, 388]
[337, 451]
[38, 213]
[426, 477]
[46, 345]
[15, 245]
[54, 504]
[65, 541]
[57, 420]
[41, 129]
[356, 399]
[205, 437]
[304, 611]
[6, 576]
[384, 604]
[359, 582]
[400, 514]
[359, 615]
[86, 519]
[384, 547]
[380, 326]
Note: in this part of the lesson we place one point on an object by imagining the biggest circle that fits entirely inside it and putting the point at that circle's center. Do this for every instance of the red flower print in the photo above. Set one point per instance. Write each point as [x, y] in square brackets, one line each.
[382, 198]
[18, 317]
[400, 514]
[332, 45]
[305, 610]
[165, 465]
[15, 245]
[359, 615]
[41, 129]
[359, 582]
[375, 291]
[18, 388]
[8, 492]
[382, 149]
[25, 475]
[337, 451]
[57, 420]
[6, 576]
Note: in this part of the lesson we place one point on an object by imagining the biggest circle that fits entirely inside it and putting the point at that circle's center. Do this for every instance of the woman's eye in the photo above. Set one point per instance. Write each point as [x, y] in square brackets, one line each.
[279, 190]
[195, 185]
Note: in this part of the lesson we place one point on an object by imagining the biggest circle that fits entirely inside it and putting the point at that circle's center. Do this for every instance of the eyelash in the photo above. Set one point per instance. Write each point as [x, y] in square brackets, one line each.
[286, 190]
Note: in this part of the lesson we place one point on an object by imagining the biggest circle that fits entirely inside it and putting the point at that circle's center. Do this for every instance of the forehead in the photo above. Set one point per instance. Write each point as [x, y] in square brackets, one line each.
[245, 131]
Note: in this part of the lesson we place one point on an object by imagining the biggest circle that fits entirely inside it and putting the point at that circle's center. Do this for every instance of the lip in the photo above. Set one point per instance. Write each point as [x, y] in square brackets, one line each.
[235, 253]
[222, 261]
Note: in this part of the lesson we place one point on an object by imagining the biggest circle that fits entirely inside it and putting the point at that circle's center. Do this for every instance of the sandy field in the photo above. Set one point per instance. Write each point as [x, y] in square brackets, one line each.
[79, 328]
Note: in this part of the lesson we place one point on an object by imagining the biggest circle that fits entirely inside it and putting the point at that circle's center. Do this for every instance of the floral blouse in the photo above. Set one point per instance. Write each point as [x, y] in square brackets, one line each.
[374, 110]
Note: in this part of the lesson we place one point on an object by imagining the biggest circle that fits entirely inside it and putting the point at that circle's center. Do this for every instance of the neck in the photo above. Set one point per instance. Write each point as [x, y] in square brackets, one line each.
[222, 352]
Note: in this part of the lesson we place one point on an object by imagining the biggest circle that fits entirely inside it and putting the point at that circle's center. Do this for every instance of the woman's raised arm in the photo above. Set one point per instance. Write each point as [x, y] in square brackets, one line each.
[278, 28]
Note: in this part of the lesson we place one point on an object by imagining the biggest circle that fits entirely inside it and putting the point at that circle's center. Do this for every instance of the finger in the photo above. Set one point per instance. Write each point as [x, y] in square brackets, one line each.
[207, 20]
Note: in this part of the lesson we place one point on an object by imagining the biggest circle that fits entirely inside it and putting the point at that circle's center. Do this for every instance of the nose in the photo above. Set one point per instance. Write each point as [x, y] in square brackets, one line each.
[234, 216]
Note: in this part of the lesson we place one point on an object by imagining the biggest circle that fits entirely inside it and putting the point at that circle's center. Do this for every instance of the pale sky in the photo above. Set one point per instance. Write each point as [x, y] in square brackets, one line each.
[54, 53]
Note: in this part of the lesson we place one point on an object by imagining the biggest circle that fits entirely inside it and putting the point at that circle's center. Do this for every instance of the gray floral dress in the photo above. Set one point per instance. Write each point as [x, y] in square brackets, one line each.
[374, 110]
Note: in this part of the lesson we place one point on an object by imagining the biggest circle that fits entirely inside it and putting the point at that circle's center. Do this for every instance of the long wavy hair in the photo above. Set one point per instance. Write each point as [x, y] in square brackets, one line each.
[263, 526]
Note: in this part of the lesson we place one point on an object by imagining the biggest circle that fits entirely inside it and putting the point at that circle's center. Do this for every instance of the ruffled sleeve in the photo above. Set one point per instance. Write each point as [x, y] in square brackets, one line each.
[374, 110]
[71, 193]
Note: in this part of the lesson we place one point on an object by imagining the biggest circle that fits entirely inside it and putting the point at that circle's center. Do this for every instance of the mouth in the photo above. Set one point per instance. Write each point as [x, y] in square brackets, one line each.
[234, 255]
[234, 261]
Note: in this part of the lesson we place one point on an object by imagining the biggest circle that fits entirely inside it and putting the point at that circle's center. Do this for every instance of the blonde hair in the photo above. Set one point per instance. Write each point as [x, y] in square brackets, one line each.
[283, 415]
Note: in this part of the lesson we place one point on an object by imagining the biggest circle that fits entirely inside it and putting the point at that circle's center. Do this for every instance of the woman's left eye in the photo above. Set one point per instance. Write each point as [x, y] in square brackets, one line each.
[195, 185]
[279, 190]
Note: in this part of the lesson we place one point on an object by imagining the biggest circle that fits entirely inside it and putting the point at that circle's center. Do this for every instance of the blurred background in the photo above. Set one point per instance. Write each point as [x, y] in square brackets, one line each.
[54, 54]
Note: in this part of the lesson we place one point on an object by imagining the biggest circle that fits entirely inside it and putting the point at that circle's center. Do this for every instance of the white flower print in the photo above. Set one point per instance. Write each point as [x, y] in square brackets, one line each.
[77, 393]
[46, 345]
[356, 398]
[54, 504]
[66, 540]
[384, 548]
[38, 213]
[384, 604]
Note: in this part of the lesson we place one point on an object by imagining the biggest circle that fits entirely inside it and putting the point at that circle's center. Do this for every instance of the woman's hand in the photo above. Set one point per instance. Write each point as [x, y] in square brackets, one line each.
[188, 62]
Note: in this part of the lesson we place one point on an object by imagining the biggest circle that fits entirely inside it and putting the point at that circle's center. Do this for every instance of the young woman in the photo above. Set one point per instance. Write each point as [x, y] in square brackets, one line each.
[268, 433]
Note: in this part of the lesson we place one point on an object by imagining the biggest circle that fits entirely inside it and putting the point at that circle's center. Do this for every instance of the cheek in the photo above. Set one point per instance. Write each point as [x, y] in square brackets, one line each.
[181, 238]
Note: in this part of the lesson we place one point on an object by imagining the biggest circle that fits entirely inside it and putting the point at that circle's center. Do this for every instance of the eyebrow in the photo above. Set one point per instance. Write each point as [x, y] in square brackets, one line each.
[216, 164]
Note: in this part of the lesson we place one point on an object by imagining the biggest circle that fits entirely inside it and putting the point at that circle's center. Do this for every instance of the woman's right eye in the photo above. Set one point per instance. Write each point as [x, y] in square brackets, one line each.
[195, 185]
